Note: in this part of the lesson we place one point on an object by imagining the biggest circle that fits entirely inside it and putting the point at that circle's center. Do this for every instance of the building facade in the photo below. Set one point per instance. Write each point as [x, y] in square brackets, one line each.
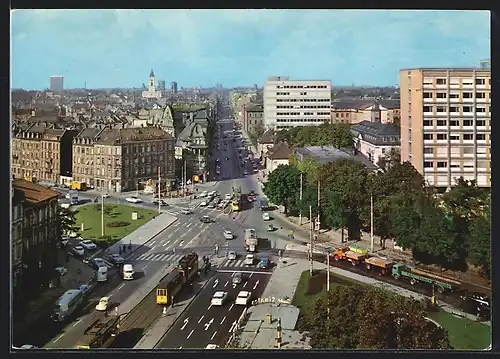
[36, 258]
[375, 140]
[17, 236]
[56, 83]
[173, 87]
[446, 124]
[253, 117]
[83, 156]
[356, 111]
[151, 91]
[291, 103]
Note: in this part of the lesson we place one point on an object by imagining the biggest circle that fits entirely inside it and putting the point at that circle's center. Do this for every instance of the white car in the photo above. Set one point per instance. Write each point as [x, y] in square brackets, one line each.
[249, 259]
[211, 346]
[102, 306]
[105, 195]
[245, 172]
[231, 255]
[79, 251]
[212, 193]
[186, 211]
[228, 196]
[203, 204]
[88, 244]
[84, 288]
[222, 204]
[219, 298]
[203, 194]
[228, 234]
[133, 200]
[266, 216]
[116, 258]
[243, 298]
[98, 263]
[61, 270]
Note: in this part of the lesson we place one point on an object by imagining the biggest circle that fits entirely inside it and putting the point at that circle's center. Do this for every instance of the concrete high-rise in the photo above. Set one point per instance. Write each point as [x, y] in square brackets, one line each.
[56, 83]
[446, 124]
[174, 87]
[291, 103]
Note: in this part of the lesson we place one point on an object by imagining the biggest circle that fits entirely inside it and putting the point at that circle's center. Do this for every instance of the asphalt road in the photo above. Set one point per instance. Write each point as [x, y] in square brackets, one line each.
[202, 324]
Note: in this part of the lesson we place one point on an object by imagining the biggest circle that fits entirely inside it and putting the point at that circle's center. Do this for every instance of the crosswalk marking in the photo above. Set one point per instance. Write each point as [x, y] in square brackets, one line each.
[156, 257]
[236, 263]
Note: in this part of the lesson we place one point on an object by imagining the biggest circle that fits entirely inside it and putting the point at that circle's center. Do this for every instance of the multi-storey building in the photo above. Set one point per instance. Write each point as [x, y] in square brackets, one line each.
[83, 156]
[356, 111]
[291, 103]
[446, 124]
[41, 153]
[125, 159]
[35, 256]
[56, 83]
[253, 117]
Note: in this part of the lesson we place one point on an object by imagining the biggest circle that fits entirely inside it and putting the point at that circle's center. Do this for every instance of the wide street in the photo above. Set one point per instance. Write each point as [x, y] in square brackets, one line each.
[202, 323]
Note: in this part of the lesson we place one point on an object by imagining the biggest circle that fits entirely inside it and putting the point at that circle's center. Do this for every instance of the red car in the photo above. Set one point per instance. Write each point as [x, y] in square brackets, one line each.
[250, 198]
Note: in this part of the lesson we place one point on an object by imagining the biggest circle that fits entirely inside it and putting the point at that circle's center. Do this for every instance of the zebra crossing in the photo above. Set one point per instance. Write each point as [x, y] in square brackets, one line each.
[156, 257]
[236, 263]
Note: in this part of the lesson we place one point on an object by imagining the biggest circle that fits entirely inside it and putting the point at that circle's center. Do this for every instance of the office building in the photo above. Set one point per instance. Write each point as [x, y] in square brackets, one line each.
[161, 85]
[174, 87]
[56, 83]
[446, 124]
[291, 103]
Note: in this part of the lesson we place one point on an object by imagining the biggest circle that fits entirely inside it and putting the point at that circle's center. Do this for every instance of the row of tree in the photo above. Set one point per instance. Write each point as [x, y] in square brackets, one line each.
[355, 317]
[451, 230]
[326, 134]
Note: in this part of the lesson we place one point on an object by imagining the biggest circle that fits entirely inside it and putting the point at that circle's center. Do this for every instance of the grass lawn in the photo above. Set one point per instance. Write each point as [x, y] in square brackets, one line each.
[462, 333]
[90, 216]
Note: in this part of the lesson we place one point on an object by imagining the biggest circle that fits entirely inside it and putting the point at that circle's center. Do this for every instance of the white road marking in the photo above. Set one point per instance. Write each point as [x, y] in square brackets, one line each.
[176, 229]
[165, 244]
[244, 285]
[152, 242]
[215, 283]
[180, 244]
[234, 285]
[226, 283]
[232, 274]
[186, 321]
[180, 347]
[231, 307]
[189, 224]
[152, 248]
[189, 335]
[76, 323]
[59, 337]
[213, 335]
[144, 267]
[250, 276]
[110, 295]
[256, 284]
[208, 324]
[199, 321]
[210, 306]
[222, 321]
[120, 286]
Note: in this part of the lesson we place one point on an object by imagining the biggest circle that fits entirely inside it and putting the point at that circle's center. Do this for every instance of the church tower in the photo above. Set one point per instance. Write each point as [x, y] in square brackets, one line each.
[152, 82]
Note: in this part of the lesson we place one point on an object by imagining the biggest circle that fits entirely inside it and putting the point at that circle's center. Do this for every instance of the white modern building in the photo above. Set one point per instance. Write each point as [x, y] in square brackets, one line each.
[291, 103]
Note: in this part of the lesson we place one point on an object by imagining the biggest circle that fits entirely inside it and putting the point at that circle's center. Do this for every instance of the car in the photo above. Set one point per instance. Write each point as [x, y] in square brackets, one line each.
[61, 270]
[102, 306]
[219, 298]
[133, 199]
[88, 244]
[203, 204]
[26, 347]
[264, 263]
[266, 216]
[116, 258]
[79, 251]
[211, 205]
[203, 194]
[232, 255]
[270, 228]
[228, 234]
[186, 211]
[212, 193]
[237, 278]
[161, 202]
[206, 219]
[98, 262]
[227, 158]
[84, 288]
[105, 195]
[243, 298]
[251, 192]
[64, 241]
[249, 259]
[222, 204]
[211, 346]
[245, 172]
[228, 196]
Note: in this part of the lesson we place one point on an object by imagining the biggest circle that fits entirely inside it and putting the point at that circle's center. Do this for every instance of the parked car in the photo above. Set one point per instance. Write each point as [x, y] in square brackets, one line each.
[219, 298]
[64, 241]
[78, 251]
[61, 270]
[84, 288]
[232, 255]
[211, 205]
[203, 194]
[203, 204]
[266, 216]
[116, 258]
[245, 172]
[88, 244]
[228, 196]
[133, 199]
[228, 234]
[105, 195]
[97, 263]
[102, 306]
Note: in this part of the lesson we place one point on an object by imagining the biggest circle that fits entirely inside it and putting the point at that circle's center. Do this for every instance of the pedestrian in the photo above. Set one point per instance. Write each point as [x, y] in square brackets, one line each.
[124, 249]
[120, 249]
[173, 250]
[130, 245]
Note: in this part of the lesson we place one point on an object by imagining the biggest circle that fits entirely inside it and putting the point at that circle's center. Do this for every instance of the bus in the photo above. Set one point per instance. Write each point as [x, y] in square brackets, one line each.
[67, 304]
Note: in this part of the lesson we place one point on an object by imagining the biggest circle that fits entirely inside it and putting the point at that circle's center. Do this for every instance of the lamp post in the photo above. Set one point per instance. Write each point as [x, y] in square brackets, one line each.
[102, 214]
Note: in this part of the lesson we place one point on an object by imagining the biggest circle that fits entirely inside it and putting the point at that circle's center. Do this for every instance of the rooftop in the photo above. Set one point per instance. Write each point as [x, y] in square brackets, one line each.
[328, 154]
[33, 192]
[477, 68]
[135, 134]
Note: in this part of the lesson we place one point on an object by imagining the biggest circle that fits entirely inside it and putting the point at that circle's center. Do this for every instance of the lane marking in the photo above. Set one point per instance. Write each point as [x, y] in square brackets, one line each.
[165, 244]
[120, 286]
[144, 267]
[256, 284]
[213, 335]
[176, 229]
[152, 248]
[189, 335]
[76, 323]
[186, 321]
[222, 321]
[226, 284]
[231, 307]
[210, 306]
[250, 276]
[59, 337]
[152, 242]
[181, 243]
[244, 285]
[199, 321]
[189, 224]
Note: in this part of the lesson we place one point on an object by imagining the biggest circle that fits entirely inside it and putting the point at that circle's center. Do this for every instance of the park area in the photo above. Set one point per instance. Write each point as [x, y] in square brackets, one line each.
[118, 222]
[463, 334]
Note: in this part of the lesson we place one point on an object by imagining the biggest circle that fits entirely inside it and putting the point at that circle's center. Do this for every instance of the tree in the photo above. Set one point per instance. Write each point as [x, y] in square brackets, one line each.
[308, 166]
[309, 198]
[390, 159]
[67, 220]
[479, 242]
[282, 185]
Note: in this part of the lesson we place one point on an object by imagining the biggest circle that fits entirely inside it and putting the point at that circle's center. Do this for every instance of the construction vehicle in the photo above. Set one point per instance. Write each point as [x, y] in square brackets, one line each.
[417, 275]
[188, 266]
[251, 240]
[78, 186]
[100, 334]
[346, 254]
[382, 264]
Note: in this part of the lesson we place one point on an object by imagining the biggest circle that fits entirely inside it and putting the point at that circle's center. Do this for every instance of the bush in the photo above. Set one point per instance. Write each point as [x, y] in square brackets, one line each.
[115, 224]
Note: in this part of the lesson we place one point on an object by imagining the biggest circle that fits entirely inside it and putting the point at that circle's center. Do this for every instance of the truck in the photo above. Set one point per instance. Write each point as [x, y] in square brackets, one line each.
[263, 204]
[250, 240]
[100, 334]
[416, 276]
[346, 254]
[78, 186]
[382, 264]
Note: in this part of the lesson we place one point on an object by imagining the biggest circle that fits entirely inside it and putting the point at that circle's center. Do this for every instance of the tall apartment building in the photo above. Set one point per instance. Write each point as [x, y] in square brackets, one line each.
[56, 83]
[446, 124]
[173, 87]
[291, 103]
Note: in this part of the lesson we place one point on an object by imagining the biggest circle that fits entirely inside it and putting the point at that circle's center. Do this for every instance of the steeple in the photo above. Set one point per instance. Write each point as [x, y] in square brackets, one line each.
[152, 74]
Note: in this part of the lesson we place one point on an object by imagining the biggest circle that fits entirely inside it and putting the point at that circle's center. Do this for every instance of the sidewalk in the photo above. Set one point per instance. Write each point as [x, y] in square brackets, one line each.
[245, 135]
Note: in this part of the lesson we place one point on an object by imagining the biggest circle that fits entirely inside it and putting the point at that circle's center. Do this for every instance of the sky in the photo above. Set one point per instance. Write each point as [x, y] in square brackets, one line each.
[118, 48]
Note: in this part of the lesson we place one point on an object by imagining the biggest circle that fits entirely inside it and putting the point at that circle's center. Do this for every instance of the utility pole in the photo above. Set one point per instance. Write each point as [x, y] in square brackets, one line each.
[159, 191]
[300, 197]
[319, 202]
[102, 214]
[371, 222]
[310, 241]
[185, 177]
[327, 271]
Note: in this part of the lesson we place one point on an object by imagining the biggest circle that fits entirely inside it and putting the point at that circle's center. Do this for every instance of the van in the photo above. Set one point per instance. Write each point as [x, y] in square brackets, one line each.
[67, 304]
[102, 274]
[128, 272]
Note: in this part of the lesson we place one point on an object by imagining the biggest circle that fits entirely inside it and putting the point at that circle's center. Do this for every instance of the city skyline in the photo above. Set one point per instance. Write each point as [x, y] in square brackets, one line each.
[239, 47]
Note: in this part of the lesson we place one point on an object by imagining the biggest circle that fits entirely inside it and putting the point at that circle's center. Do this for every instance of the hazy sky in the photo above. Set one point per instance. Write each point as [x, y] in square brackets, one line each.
[108, 48]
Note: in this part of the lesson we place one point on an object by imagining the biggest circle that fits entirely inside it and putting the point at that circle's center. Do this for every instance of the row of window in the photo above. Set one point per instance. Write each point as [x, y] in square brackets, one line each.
[445, 164]
[303, 114]
[443, 108]
[300, 120]
[456, 150]
[303, 106]
[456, 95]
[303, 100]
[465, 136]
[479, 82]
[456, 122]
[301, 87]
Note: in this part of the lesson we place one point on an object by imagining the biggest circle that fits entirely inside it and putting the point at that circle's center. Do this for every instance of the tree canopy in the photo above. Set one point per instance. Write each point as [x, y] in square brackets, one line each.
[282, 185]
[337, 135]
[67, 221]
